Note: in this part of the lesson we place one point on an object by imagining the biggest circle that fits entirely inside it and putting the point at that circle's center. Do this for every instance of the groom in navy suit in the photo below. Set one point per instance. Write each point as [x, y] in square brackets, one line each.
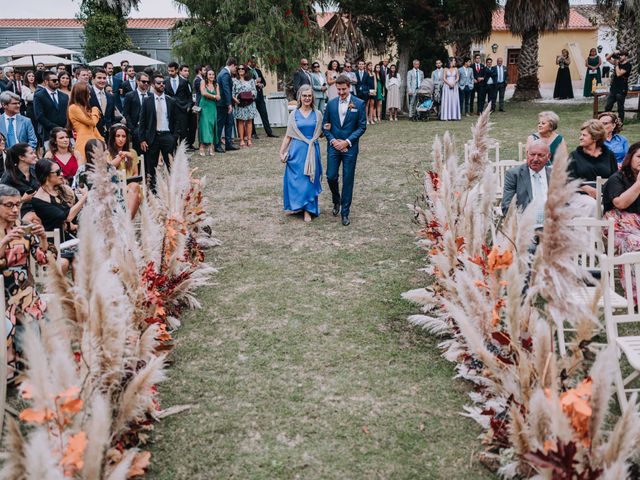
[344, 122]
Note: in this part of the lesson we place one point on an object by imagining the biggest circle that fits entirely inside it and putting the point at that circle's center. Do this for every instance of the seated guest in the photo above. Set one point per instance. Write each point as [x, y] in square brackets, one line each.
[60, 151]
[621, 198]
[19, 246]
[614, 142]
[547, 126]
[19, 173]
[15, 127]
[57, 206]
[122, 158]
[529, 182]
[589, 161]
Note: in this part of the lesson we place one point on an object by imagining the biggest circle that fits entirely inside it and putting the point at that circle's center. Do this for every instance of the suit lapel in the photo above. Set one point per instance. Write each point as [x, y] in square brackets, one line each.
[526, 179]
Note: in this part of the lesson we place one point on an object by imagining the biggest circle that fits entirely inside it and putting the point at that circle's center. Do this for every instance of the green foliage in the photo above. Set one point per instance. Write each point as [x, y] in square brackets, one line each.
[104, 28]
[278, 32]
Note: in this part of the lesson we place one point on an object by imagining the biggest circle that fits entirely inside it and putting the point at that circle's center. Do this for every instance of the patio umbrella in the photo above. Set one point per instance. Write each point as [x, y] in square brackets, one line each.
[134, 59]
[31, 48]
[48, 60]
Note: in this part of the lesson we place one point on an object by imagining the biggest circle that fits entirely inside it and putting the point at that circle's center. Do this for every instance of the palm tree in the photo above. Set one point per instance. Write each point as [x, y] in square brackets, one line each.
[528, 19]
[472, 24]
[628, 24]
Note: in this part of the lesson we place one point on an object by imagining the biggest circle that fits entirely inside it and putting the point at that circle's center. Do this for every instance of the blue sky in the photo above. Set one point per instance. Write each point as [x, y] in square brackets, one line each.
[69, 8]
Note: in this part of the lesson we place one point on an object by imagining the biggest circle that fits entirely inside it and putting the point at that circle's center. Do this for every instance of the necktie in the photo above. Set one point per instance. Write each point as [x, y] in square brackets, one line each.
[102, 100]
[499, 74]
[159, 113]
[174, 84]
[537, 197]
[54, 97]
[11, 134]
[477, 68]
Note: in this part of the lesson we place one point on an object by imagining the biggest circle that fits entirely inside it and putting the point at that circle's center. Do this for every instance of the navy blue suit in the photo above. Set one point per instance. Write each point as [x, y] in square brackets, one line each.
[106, 121]
[47, 113]
[364, 84]
[354, 126]
[225, 119]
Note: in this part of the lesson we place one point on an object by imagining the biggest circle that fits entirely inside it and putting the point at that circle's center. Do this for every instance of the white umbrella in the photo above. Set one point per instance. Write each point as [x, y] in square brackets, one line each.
[29, 61]
[134, 59]
[31, 47]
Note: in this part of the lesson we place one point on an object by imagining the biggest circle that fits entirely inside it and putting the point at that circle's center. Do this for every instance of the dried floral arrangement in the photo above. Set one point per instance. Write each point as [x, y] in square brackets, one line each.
[92, 368]
[499, 292]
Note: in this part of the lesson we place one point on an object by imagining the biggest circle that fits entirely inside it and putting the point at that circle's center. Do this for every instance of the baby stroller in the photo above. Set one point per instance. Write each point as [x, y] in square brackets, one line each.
[427, 101]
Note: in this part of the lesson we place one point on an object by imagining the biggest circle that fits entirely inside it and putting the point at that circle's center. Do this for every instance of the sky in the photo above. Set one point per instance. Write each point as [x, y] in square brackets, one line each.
[69, 8]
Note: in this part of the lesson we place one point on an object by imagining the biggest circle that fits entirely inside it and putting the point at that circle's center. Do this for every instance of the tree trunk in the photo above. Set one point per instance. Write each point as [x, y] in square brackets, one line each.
[463, 50]
[403, 67]
[628, 37]
[528, 86]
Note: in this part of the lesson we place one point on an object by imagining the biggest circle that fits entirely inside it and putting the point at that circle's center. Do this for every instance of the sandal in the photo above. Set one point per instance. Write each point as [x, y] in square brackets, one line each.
[242, 145]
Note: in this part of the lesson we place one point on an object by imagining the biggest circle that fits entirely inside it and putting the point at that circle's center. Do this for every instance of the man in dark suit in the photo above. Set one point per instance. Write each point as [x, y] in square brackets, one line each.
[129, 84]
[502, 78]
[529, 183]
[364, 82]
[178, 88]
[344, 122]
[224, 106]
[490, 81]
[260, 103]
[103, 100]
[301, 77]
[50, 106]
[384, 70]
[157, 128]
[197, 81]
[132, 106]
[8, 83]
[479, 83]
[192, 118]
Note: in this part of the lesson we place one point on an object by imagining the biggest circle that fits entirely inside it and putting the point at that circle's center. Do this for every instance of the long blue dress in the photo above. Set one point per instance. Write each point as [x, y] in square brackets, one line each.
[299, 192]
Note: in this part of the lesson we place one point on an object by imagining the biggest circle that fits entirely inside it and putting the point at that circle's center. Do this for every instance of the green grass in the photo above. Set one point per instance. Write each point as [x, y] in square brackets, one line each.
[301, 363]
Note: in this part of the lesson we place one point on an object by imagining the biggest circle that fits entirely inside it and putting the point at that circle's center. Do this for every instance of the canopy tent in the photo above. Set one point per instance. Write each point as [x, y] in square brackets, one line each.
[32, 48]
[31, 60]
[134, 59]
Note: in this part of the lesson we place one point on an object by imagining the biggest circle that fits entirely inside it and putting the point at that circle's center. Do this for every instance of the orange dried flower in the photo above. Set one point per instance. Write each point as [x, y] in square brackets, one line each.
[141, 461]
[73, 458]
[497, 260]
[575, 404]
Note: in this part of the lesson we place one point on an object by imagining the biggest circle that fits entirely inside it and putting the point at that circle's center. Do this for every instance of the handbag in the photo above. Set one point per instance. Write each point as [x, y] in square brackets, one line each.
[246, 98]
[372, 92]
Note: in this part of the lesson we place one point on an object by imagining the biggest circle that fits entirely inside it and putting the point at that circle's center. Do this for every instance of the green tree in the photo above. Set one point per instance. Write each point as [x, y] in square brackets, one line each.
[528, 19]
[105, 24]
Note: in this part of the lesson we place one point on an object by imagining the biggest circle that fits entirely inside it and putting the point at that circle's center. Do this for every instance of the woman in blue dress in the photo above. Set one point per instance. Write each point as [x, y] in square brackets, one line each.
[300, 151]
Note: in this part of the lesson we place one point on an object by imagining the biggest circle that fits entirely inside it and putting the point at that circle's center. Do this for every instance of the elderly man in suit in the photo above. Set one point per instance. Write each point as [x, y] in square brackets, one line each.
[301, 77]
[415, 77]
[133, 105]
[15, 127]
[104, 100]
[50, 106]
[529, 183]
[224, 106]
[502, 79]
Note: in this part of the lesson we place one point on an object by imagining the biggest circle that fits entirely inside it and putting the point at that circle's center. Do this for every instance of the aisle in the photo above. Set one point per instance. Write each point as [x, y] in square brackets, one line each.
[301, 363]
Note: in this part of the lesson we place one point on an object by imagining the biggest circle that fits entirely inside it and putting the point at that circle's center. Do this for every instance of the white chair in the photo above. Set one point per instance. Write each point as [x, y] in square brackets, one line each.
[500, 168]
[522, 152]
[599, 207]
[38, 271]
[143, 174]
[495, 146]
[629, 314]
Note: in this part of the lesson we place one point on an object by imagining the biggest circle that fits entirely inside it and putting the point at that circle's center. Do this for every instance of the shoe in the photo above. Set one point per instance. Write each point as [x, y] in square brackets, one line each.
[211, 152]
[345, 221]
[201, 152]
[249, 143]
[501, 110]
[191, 148]
[307, 217]
[255, 137]
[220, 150]
[231, 148]
[336, 209]
[272, 136]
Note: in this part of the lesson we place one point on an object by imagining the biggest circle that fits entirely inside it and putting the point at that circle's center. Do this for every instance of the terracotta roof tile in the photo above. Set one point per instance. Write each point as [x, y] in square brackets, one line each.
[576, 21]
[150, 23]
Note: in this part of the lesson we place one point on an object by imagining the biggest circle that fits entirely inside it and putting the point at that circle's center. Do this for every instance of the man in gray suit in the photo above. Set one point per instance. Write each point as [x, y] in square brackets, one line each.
[529, 182]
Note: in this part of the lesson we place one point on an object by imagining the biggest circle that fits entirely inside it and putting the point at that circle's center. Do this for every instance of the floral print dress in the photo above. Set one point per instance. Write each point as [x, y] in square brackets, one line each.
[247, 112]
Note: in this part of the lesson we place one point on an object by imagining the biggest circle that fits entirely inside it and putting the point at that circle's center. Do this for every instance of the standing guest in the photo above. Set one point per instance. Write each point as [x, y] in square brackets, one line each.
[128, 85]
[450, 105]
[84, 75]
[121, 158]
[29, 88]
[437, 77]
[60, 151]
[18, 248]
[19, 174]
[15, 127]
[124, 65]
[384, 71]
[103, 100]
[351, 75]
[208, 128]
[132, 106]
[364, 83]
[615, 142]
[490, 80]
[261, 106]
[344, 122]
[83, 118]
[115, 82]
[563, 88]
[301, 76]
[158, 129]
[319, 85]
[200, 72]
[225, 106]
[40, 66]
[370, 88]
[61, 68]
[592, 63]
[65, 83]
[50, 106]
[108, 68]
[619, 82]
[589, 161]
[8, 83]
[465, 85]
[620, 196]
[192, 123]
[3, 152]
[415, 76]
[331, 75]
[56, 206]
[379, 98]
[547, 125]
[393, 93]
[502, 78]
[178, 88]
[300, 152]
[479, 84]
[244, 110]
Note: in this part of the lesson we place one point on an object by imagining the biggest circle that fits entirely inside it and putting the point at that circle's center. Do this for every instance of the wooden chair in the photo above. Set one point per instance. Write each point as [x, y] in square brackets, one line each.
[629, 314]
[38, 271]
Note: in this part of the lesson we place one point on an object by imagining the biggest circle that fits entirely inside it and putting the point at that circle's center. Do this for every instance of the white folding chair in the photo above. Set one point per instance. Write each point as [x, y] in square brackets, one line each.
[143, 174]
[38, 271]
[495, 146]
[3, 356]
[522, 152]
[599, 184]
[500, 168]
[629, 263]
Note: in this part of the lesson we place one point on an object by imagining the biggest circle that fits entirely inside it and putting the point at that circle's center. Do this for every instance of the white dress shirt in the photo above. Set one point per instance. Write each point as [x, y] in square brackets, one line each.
[164, 120]
[544, 188]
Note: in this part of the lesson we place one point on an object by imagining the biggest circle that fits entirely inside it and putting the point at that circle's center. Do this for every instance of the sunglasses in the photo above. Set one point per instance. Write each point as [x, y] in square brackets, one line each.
[144, 81]
[54, 80]
[305, 64]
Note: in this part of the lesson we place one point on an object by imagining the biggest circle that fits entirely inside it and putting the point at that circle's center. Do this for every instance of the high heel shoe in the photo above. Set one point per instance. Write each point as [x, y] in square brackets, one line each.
[211, 152]
[249, 143]
[242, 144]
[201, 152]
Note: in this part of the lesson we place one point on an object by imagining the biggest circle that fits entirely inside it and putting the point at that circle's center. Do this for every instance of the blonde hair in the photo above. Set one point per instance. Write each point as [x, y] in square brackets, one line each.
[551, 117]
[595, 128]
[305, 88]
[617, 124]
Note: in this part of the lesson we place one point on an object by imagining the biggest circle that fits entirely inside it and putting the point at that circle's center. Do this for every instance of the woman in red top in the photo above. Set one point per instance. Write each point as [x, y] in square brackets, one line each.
[60, 151]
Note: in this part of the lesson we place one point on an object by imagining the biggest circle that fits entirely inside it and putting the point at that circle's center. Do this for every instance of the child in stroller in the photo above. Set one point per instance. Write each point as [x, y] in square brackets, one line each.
[427, 101]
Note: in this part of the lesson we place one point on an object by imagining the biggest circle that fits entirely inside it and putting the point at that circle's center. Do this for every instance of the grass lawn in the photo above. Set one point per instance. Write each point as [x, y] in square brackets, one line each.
[301, 363]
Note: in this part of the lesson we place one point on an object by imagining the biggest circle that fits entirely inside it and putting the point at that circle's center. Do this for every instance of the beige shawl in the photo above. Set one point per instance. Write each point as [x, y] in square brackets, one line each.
[294, 132]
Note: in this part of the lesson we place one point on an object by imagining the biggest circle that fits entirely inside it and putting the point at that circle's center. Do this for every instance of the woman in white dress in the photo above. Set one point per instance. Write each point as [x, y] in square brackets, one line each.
[393, 93]
[450, 100]
[332, 74]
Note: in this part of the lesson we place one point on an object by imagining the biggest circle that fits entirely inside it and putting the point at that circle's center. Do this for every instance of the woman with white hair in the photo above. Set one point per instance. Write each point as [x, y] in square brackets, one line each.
[300, 151]
[547, 125]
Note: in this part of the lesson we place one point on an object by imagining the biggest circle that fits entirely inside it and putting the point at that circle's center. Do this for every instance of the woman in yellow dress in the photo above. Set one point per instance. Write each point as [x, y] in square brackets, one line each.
[82, 119]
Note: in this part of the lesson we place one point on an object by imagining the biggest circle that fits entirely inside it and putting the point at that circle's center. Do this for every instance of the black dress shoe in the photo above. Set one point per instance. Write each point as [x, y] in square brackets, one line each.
[336, 209]
[501, 110]
[220, 150]
[191, 148]
[231, 148]
[255, 137]
[345, 221]
[272, 136]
